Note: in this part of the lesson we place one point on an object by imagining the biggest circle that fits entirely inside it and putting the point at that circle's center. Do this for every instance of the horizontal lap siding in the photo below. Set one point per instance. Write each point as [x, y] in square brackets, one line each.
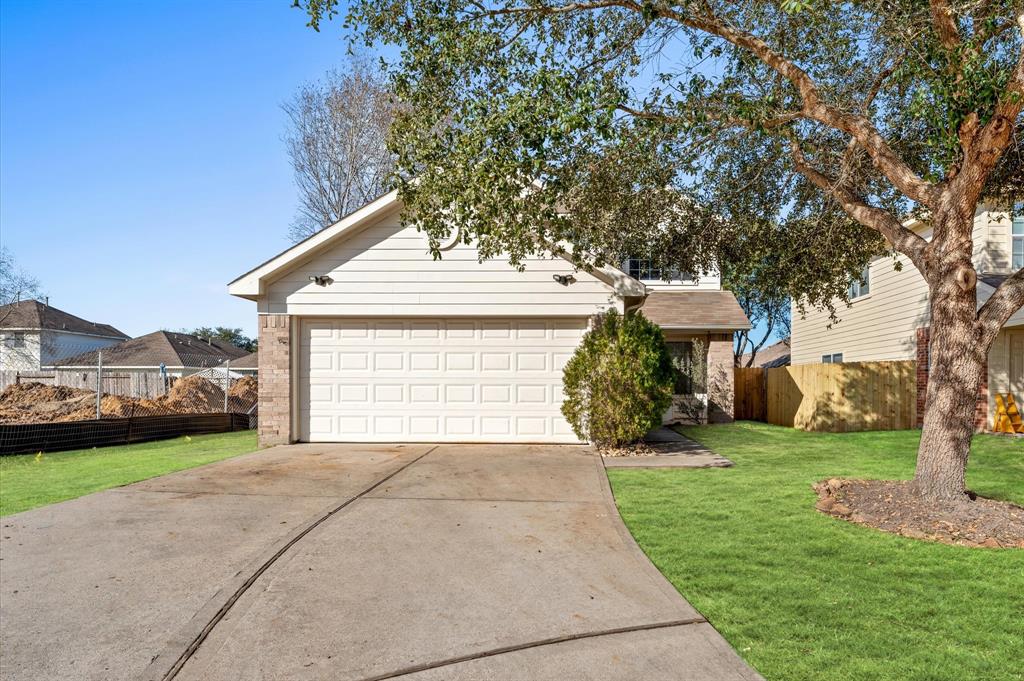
[877, 327]
[387, 270]
[881, 326]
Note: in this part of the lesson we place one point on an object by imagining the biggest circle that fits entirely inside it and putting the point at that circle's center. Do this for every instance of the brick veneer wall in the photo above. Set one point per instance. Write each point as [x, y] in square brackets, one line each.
[274, 357]
[721, 391]
[980, 409]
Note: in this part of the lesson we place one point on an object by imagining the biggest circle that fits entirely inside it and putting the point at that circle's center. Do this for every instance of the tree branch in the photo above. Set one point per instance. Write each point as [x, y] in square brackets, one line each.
[982, 148]
[902, 239]
[814, 108]
[1000, 306]
[945, 24]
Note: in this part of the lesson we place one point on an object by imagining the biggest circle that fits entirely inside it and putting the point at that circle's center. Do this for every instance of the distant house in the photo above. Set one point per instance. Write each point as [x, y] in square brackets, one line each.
[246, 365]
[34, 334]
[236, 368]
[775, 355]
[177, 354]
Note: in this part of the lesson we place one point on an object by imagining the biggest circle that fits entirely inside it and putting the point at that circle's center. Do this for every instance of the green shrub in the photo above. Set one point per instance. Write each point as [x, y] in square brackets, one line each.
[619, 382]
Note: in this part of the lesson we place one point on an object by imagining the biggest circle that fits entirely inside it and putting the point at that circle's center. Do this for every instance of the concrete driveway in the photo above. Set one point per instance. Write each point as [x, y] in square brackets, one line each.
[349, 562]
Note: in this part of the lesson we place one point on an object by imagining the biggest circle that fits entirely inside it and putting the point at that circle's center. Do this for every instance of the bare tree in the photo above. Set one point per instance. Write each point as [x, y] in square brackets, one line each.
[337, 145]
[15, 284]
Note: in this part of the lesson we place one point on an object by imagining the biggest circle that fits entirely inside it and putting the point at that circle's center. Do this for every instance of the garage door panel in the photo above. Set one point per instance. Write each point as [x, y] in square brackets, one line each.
[496, 380]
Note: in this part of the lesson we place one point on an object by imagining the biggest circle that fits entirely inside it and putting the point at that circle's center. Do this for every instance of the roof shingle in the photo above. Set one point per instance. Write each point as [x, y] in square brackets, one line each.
[714, 310]
[32, 314]
[161, 347]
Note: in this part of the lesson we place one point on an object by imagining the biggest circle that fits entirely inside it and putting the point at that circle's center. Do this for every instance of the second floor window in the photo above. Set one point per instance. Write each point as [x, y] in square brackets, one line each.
[861, 286]
[1017, 259]
[641, 269]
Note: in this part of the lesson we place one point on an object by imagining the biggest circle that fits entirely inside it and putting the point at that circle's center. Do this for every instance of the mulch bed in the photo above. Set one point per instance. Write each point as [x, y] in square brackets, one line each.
[894, 506]
[635, 449]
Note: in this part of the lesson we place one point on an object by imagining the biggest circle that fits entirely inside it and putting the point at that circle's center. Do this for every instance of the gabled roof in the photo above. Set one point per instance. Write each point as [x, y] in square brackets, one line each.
[160, 347]
[35, 315]
[695, 310]
[251, 284]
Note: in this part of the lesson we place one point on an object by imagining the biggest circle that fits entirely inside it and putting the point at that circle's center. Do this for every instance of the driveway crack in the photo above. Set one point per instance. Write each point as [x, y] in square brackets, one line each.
[194, 646]
[555, 640]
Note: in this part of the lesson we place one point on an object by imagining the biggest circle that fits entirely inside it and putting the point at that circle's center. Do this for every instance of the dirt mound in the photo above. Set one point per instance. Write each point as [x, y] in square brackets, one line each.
[32, 393]
[193, 395]
[40, 403]
[894, 506]
[242, 395]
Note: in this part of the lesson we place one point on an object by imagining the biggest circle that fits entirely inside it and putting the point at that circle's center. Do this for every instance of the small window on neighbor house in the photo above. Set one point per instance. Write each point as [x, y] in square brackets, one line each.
[1017, 259]
[16, 340]
[834, 358]
[862, 286]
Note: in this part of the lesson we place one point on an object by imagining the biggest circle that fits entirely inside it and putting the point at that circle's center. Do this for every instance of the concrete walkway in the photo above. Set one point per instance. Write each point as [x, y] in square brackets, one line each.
[349, 562]
[673, 450]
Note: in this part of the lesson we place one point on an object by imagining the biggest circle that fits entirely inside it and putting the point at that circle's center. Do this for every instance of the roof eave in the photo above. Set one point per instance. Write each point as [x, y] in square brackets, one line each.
[251, 284]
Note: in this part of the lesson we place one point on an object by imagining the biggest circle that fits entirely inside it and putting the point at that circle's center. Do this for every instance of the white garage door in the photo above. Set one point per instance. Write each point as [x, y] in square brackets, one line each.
[434, 380]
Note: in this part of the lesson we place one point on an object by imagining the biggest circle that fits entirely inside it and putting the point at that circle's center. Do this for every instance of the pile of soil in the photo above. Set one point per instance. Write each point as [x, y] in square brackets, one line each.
[39, 403]
[894, 506]
[242, 395]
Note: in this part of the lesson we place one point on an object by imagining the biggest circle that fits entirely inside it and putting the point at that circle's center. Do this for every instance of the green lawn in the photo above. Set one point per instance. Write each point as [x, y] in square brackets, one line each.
[802, 595]
[30, 480]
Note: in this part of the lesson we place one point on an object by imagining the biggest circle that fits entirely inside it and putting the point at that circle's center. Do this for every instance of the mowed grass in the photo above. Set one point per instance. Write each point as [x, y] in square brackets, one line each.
[802, 595]
[28, 481]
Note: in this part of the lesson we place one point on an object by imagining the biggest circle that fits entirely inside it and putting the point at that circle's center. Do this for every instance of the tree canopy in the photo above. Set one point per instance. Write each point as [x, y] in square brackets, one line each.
[696, 130]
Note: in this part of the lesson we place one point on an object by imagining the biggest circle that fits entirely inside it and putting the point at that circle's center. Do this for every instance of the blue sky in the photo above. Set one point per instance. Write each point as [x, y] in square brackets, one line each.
[141, 161]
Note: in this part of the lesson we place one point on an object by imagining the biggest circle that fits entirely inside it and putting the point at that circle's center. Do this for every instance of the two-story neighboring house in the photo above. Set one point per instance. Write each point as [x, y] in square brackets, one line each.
[888, 314]
[34, 334]
[364, 336]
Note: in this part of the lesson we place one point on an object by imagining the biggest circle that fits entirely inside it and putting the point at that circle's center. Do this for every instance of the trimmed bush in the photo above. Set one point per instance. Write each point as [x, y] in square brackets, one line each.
[619, 382]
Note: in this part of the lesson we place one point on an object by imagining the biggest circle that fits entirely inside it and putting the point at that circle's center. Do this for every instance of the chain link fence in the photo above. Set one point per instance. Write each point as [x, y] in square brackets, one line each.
[154, 396]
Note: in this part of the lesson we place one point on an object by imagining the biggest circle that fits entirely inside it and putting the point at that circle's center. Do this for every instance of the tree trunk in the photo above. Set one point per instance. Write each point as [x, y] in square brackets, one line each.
[956, 360]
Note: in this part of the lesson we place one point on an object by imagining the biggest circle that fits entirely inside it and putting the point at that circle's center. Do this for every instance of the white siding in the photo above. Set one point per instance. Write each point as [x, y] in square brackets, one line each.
[59, 345]
[25, 357]
[881, 326]
[387, 270]
[878, 326]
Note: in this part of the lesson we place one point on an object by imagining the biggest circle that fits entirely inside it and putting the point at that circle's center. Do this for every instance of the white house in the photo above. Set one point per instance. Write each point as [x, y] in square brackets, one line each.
[34, 334]
[363, 336]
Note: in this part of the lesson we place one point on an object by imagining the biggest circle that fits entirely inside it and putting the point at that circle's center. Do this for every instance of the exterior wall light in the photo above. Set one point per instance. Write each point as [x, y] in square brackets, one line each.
[564, 279]
[321, 279]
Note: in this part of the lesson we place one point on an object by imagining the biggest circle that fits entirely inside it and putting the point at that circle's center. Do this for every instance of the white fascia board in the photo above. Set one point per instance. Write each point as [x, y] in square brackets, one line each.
[250, 285]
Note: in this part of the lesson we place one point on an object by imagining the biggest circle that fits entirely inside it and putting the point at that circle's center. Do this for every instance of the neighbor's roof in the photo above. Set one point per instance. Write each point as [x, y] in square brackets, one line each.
[160, 347]
[251, 284]
[993, 280]
[32, 314]
[775, 355]
[710, 310]
[249, 361]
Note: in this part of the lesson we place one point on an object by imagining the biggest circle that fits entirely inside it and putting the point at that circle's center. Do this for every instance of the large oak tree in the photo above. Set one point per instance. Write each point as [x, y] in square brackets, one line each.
[798, 133]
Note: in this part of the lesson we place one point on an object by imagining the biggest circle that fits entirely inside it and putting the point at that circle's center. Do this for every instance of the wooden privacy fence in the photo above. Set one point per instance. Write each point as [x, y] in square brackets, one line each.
[749, 403]
[834, 398]
[147, 384]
